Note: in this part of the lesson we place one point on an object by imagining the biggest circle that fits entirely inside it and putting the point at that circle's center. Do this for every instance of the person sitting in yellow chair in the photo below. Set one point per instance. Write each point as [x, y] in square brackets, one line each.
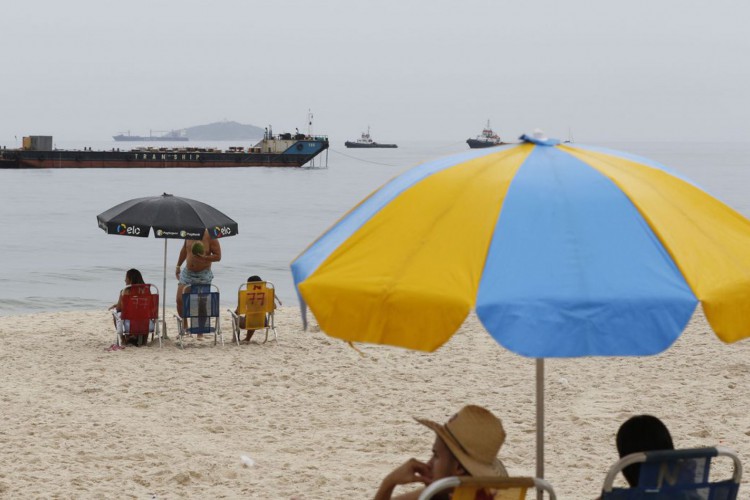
[249, 333]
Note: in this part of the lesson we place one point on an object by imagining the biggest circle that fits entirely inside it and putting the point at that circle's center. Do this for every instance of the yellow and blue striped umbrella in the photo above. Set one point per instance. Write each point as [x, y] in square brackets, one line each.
[562, 250]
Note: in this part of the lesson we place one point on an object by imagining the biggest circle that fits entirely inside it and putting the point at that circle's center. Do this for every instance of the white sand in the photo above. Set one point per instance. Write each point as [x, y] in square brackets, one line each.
[319, 420]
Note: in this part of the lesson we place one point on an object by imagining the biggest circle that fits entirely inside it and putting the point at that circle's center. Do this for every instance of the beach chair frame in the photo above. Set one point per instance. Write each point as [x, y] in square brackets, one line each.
[466, 487]
[671, 473]
[140, 310]
[256, 301]
[200, 310]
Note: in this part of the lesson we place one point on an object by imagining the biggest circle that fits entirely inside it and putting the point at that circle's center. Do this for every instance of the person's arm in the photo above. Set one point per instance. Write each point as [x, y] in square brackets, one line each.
[180, 259]
[214, 253]
[117, 306]
[413, 471]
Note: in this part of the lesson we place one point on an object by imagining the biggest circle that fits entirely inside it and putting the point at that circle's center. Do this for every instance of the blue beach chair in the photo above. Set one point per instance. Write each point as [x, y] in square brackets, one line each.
[200, 308]
[675, 474]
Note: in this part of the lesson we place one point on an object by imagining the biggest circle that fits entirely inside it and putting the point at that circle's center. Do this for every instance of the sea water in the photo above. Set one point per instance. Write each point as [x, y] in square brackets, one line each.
[55, 257]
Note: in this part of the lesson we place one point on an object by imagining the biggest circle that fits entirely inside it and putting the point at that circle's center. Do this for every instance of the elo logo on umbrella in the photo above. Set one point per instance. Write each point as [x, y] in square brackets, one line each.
[170, 217]
[221, 231]
[128, 230]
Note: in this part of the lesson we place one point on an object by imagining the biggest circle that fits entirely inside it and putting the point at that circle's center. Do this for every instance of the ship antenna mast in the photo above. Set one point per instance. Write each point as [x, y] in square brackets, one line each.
[309, 123]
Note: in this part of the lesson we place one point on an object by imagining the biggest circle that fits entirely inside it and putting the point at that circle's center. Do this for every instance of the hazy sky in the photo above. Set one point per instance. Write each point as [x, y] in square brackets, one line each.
[411, 69]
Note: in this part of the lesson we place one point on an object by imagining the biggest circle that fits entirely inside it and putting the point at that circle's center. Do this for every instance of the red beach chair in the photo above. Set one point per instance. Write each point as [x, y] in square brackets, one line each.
[139, 315]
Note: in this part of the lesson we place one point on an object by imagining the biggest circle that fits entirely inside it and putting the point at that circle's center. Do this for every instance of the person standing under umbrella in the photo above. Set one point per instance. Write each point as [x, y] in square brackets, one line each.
[197, 270]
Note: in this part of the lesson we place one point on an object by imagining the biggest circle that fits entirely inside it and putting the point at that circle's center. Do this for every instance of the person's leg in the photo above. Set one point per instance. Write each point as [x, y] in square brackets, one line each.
[122, 328]
[180, 312]
[202, 305]
[203, 322]
[180, 288]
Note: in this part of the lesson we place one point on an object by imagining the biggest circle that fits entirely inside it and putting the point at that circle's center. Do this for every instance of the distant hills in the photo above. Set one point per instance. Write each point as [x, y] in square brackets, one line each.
[223, 131]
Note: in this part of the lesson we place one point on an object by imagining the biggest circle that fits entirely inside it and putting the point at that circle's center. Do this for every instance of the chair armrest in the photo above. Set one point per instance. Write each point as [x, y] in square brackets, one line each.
[542, 485]
[609, 479]
[180, 326]
[439, 485]
[723, 451]
[234, 314]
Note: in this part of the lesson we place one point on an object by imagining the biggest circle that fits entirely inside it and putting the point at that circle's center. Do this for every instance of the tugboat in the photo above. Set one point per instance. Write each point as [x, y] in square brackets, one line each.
[486, 139]
[366, 142]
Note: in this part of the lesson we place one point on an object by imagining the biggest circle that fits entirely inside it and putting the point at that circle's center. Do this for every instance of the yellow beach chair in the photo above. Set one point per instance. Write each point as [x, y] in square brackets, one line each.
[256, 303]
[496, 488]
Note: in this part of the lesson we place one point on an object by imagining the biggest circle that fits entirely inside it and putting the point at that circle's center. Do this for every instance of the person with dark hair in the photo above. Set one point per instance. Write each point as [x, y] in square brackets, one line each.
[466, 445]
[133, 278]
[249, 333]
[641, 433]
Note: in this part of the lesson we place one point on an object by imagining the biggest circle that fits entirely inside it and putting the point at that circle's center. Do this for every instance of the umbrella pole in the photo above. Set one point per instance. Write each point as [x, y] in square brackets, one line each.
[164, 295]
[539, 423]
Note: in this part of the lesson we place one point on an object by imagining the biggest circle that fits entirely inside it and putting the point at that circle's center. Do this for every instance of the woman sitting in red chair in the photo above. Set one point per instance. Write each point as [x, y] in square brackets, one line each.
[135, 286]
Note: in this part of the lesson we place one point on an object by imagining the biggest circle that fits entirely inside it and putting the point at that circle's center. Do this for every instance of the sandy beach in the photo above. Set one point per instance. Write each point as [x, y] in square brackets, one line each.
[319, 420]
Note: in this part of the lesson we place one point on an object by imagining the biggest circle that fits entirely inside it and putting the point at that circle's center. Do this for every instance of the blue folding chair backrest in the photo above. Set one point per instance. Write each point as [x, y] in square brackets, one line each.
[675, 474]
[200, 305]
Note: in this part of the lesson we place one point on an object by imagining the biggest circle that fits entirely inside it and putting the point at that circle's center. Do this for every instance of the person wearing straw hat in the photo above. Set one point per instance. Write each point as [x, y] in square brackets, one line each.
[467, 444]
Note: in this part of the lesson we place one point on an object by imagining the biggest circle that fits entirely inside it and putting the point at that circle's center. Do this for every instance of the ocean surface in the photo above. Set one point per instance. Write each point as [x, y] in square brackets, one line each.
[57, 258]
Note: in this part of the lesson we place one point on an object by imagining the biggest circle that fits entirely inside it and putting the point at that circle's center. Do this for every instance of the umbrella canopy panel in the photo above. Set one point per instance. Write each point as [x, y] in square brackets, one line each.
[169, 216]
[573, 269]
[415, 249]
[563, 250]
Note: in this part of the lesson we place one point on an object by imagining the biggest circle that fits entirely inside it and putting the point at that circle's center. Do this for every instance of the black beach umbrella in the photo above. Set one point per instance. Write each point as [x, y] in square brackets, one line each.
[170, 217]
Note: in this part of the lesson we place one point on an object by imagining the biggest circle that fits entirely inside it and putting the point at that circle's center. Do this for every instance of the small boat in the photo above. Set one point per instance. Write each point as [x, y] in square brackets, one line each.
[366, 142]
[486, 139]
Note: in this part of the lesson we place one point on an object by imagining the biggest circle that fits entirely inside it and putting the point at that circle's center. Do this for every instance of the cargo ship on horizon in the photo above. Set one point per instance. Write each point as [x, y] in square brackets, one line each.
[283, 150]
[172, 135]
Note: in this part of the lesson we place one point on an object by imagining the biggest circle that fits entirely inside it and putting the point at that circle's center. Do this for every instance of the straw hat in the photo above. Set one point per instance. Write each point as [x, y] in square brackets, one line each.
[474, 435]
